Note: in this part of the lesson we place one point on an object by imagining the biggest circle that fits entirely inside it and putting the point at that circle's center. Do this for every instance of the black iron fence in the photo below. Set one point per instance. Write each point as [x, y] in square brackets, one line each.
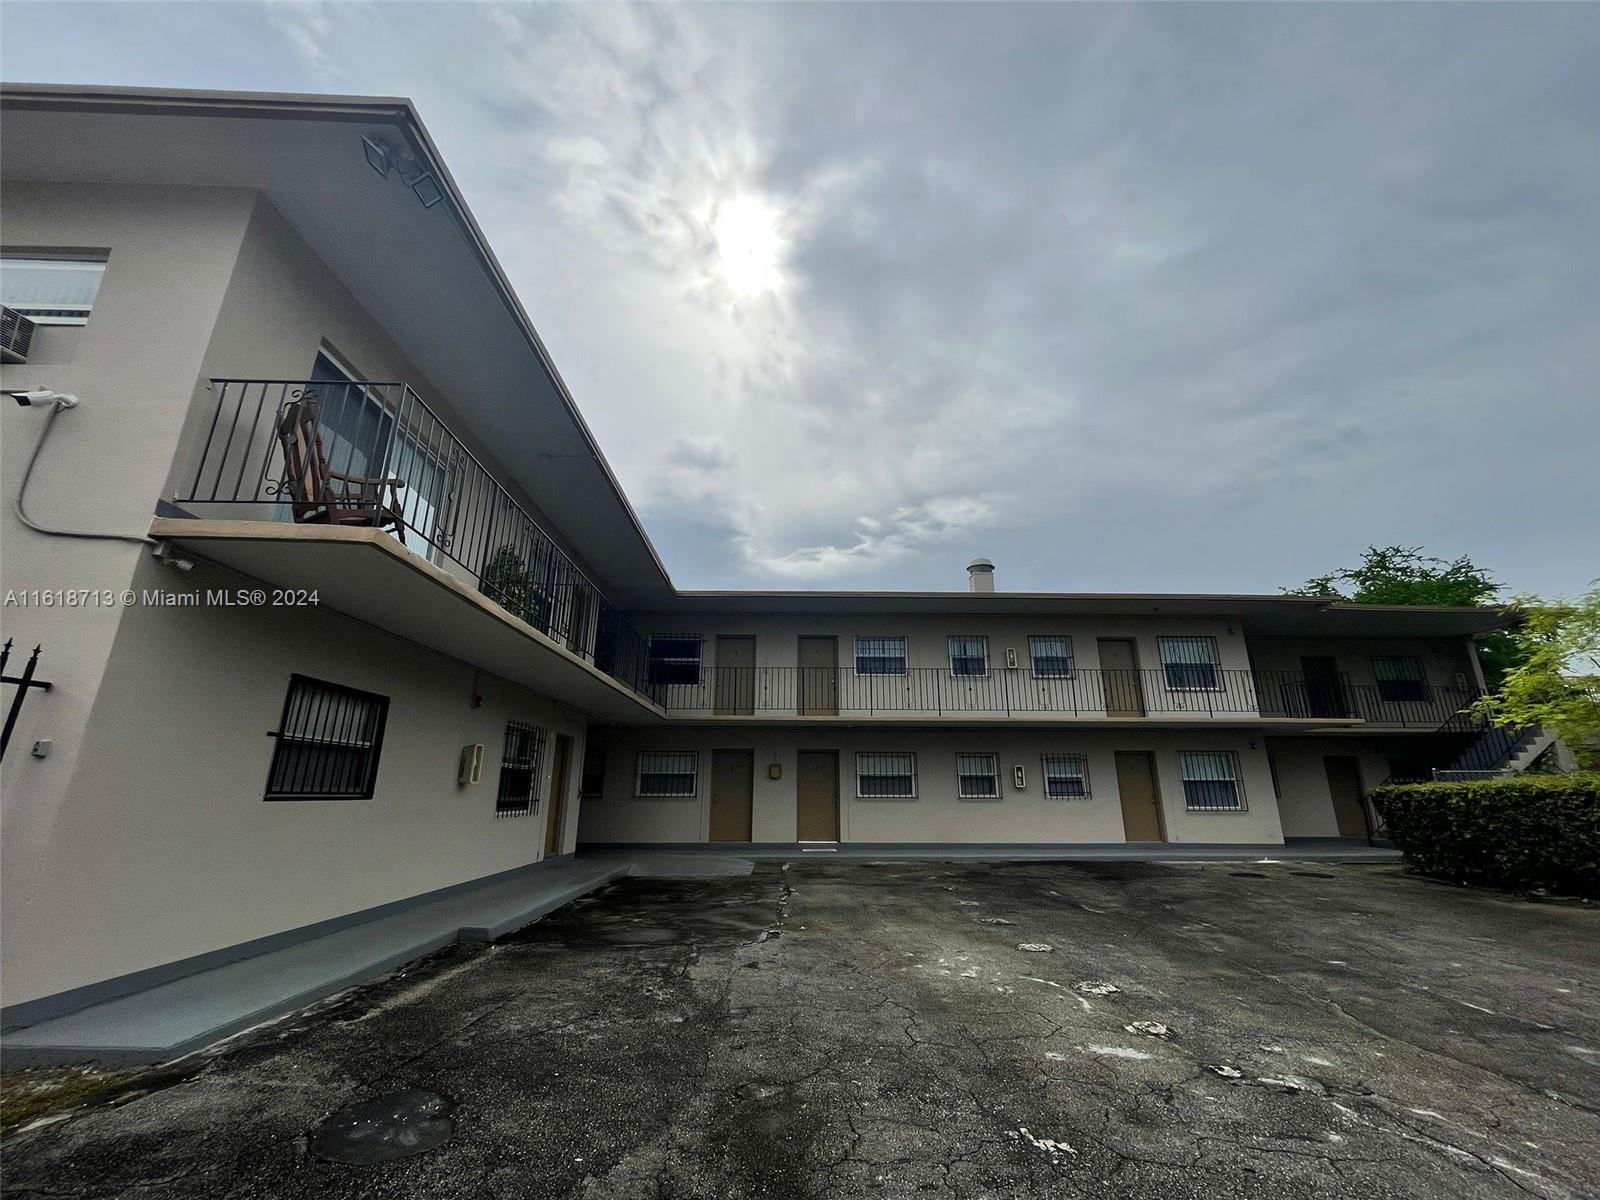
[24, 683]
[370, 453]
[824, 691]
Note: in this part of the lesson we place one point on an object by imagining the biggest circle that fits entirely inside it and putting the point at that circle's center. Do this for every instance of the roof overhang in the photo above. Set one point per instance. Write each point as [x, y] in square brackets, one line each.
[426, 274]
[1259, 615]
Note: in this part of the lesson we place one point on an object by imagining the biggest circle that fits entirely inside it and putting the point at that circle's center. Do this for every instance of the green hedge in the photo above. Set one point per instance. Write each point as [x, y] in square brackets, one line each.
[1521, 832]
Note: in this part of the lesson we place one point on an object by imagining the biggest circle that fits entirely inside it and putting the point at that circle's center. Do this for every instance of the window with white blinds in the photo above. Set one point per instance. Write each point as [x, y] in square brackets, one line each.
[1066, 776]
[977, 776]
[1190, 663]
[1211, 781]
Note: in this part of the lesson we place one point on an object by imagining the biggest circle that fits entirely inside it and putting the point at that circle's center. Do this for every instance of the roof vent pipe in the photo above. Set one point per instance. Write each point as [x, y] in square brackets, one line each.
[980, 575]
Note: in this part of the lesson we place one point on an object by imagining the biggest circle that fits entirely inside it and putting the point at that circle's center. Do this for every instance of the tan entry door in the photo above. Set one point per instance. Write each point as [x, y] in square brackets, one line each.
[819, 676]
[1119, 678]
[817, 796]
[736, 675]
[1344, 786]
[732, 788]
[1141, 798]
[558, 793]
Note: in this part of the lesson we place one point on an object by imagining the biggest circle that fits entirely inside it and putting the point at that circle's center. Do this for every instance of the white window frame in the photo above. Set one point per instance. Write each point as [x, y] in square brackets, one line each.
[691, 757]
[911, 758]
[55, 314]
[1033, 659]
[950, 653]
[699, 660]
[905, 655]
[1235, 777]
[961, 776]
[1215, 664]
[1082, 775]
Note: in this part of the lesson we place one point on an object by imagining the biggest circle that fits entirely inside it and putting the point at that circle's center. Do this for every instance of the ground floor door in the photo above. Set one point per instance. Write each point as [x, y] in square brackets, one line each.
[819, 676]
[1141, 798]
[1119, 678]
[1344, 786]
[736, 675]
[559, 768]
[817, 796]
[733, 777]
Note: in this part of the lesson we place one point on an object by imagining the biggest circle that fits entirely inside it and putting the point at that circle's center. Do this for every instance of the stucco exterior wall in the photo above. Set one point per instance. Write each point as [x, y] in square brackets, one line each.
[1446, 661]
[167, 849]
[937, 814]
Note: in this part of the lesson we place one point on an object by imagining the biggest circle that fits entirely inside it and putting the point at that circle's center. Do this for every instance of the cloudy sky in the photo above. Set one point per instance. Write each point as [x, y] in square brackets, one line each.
[1180, 298]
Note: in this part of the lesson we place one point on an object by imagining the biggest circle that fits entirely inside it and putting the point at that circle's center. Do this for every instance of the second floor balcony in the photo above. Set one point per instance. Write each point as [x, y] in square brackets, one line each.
[305, 462]
[1090, 694]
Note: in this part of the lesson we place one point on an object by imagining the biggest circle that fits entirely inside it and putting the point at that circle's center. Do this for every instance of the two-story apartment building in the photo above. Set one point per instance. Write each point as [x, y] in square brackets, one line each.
[342, 608]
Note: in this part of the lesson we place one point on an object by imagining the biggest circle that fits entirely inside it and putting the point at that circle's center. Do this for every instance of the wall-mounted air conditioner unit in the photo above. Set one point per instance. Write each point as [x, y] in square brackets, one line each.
[16, 336]
[471, 769]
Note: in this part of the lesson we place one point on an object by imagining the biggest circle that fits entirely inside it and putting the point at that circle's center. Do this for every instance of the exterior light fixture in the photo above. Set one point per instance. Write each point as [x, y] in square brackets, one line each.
[377, 155]
[427, 189]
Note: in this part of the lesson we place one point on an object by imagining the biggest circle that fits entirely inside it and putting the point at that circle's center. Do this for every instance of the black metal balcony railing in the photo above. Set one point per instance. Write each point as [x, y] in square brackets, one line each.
[375, 454]
[935, 691]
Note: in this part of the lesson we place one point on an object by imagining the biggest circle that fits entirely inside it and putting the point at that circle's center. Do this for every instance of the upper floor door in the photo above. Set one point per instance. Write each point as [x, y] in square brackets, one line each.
[1119, 676]
[735, 676]
[819, 676]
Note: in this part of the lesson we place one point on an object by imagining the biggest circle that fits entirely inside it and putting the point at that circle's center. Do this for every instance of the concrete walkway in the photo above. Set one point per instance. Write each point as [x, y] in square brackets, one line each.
[186, 1014]
[175, 1018]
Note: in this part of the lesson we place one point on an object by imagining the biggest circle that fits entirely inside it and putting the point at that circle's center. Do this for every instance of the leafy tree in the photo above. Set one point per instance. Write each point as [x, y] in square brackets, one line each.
[1556, 683]
[1405, 575]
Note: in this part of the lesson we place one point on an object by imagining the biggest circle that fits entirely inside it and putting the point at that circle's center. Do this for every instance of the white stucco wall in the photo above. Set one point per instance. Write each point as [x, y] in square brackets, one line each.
[165, 847]
[937, 814]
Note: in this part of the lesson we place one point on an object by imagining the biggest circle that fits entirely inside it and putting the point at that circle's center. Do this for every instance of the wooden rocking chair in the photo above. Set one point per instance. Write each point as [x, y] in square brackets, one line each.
[316, 493]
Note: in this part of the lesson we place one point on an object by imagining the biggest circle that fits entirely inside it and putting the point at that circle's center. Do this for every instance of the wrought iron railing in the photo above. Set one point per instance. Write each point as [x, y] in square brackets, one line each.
[376, 454]
[825, 691]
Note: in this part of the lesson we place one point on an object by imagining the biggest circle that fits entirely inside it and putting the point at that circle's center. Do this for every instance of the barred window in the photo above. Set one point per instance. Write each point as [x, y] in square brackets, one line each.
[668, 773]
[1400, 678]
[1211, 781]
[51, 291]
[1190, 663]
[1066, 776]
[519, 770]
[674, 660]
[886, 774]
[329, 740]
[978, 776]
[969, 655]
[1052, 657]
[880, 656]
[592, 784]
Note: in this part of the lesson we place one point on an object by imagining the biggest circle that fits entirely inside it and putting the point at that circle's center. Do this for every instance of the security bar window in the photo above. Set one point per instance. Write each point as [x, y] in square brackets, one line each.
[1066, 776]
[880, 656]
[1211, 781]
[1051, 656]
[328, 742]
[668, 773]
[519, 770]
[674, 660]
[888, 774]
[978, 776]
[593, 782]
[1190, 663]
[969, 655]
[1400, 678]
[51, 291]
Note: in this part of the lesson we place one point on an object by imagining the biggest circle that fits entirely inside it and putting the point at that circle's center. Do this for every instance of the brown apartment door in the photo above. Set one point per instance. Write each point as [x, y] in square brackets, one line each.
[1141, 798]
[1344, 786]
[819, 676]
[1119, 678]
[732, 791]
[817, 796]
[736, 676]
[558, 792]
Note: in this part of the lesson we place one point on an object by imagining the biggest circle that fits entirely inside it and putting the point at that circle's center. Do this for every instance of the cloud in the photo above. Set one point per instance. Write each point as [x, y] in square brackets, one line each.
[1120, 297]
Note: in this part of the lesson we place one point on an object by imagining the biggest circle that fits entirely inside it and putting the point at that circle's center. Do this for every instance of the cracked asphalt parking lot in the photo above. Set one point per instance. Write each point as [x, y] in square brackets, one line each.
[837, 1029]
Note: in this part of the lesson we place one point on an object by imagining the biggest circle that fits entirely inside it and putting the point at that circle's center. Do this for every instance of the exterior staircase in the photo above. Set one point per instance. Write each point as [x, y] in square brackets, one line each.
[1497, 753]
